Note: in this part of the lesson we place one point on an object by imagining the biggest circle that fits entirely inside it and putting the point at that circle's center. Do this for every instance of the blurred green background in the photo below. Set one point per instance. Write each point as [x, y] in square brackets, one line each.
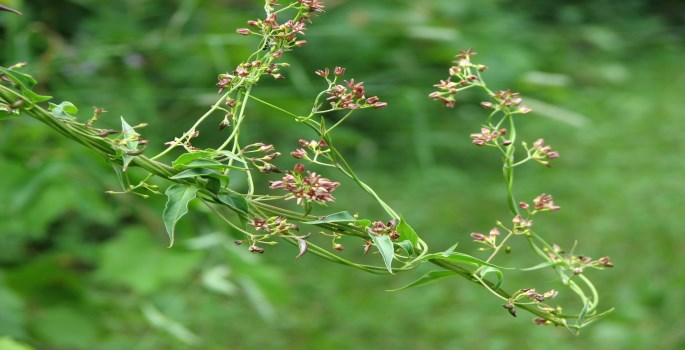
[80, 269]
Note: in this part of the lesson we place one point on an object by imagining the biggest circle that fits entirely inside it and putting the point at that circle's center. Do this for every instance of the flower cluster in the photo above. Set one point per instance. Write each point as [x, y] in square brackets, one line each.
[521, 225]
[274, 225]
[284, 36]
[379, 228]
[543, 202]
[352, 95]
[488, 135]
[317, 147]
[577, 263]
[463, 73]
[490, 240]
[528, 296]
[542, 153]
[508, 101]
[263, 163]
[306, 187]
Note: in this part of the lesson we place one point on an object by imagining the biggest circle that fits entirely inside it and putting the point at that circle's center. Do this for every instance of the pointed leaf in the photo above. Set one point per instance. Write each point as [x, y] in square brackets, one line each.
[450, 249]
[386, 248]
[25, 82]
[340, 217]
[127, 131]
[186, 158]
[210, 164]
[196, 172]
[214, 185]
[407, 233]
[64, 110]
[407, 247]
[459, 258]
[237, 203]
[176, 206]
[427, 278]
[543, 265]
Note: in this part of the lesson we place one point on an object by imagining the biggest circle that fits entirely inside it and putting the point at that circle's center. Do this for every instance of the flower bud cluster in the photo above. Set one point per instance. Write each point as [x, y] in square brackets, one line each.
[464, 77]
[531, 296]
[263, 163]
[542, 153]
[507, 101]
[487, 135]
[275, 225]
[379, 228]
[543, 202]
[352, 95]
[306, 186]
[490, 240]
[317, 147]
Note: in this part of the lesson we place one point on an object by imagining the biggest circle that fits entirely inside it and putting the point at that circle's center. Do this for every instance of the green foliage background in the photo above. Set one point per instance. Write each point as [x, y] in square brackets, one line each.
[80, 269]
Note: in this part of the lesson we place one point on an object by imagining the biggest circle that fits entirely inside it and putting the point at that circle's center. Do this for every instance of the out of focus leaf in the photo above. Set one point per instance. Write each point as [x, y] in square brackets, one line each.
[10, 344]
[172, 327]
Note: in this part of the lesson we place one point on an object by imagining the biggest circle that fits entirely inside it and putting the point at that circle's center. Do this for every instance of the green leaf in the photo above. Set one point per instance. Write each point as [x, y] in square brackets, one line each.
[543, 265]
[407, 233]
[386, 248]
[427, 278]
[25, 82]
[186, 158]
[195, 172]
[176, 206]
[127, 131]
[10, 344]
[207, 159]
[214, 185]
[458, 258]
[407, 247]
[64, 110]
[237, 203]
[340, 217]
[500, 276]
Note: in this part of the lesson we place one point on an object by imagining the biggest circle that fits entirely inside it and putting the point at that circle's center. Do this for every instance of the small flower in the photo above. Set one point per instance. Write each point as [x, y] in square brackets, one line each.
[545, 202]
[259, 224]
[542, 152]
[323, 73]
[256, 249]
[243, 31]
[299, 153]
[313, 5]
[605, 261]
[339, 71]
[541, 321]
[466, 54]
[486, 135]
[478, 236]
[550, 294]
